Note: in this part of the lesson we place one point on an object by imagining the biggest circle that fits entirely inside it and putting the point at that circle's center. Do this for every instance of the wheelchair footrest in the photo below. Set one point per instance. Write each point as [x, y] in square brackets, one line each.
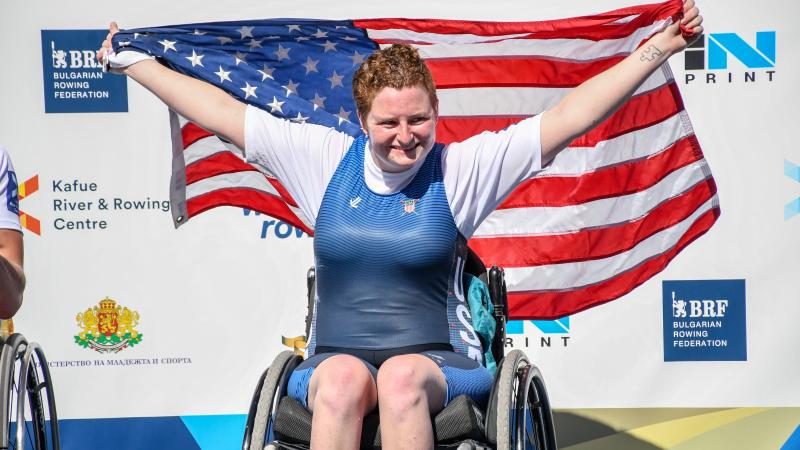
[460, 420]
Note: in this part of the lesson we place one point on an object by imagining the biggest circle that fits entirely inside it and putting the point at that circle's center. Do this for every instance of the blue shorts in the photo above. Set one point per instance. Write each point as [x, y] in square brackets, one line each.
[462, 375]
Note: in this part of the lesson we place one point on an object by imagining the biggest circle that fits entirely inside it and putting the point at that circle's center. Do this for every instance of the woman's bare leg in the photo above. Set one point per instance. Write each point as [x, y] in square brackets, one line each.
[340, 393]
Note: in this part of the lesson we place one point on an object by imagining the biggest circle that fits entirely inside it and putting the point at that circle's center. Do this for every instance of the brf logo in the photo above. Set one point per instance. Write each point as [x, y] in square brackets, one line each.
[78, 59]
[698, 308]
[704, 320]
[73, 79]
[715, 51]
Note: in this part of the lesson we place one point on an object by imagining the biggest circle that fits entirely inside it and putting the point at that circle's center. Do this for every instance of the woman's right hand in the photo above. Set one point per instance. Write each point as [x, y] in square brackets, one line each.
[106, 46]
[202, 103]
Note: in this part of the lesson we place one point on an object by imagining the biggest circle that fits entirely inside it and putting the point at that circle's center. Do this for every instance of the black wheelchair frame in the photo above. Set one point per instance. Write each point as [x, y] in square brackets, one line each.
[28, 418]
[519, 415]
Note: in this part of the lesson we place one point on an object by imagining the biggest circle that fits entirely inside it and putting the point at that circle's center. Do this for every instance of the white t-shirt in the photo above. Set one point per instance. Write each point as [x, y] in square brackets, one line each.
[9, 198]
[479, 172]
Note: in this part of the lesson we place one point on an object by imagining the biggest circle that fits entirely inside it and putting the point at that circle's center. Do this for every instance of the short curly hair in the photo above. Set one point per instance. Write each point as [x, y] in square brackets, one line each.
[397, 66]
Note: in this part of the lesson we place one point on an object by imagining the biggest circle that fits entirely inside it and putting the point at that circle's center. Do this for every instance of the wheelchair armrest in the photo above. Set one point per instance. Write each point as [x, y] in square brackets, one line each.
[499, 295]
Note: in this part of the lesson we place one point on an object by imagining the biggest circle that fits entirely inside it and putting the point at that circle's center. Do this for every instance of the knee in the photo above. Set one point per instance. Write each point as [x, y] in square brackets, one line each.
[402, 384]
[344, 384]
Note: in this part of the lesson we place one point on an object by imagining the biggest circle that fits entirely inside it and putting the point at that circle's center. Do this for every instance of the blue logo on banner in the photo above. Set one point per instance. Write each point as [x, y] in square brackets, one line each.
[12, 193]
[558, 326]
[73, 79]
[720, 45]
[277, 228]
[704, 320]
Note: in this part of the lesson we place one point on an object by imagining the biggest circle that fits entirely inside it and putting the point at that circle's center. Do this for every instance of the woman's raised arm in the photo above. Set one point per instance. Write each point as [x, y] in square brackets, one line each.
[597, 98]
[202, 103]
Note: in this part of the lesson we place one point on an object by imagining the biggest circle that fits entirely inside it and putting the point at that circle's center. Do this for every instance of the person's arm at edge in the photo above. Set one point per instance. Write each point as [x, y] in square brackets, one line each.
[12, 278]
[597, 98]
[202, 103]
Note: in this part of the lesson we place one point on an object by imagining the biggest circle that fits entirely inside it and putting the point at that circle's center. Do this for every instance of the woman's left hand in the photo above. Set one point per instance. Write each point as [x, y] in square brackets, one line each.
[673, 36]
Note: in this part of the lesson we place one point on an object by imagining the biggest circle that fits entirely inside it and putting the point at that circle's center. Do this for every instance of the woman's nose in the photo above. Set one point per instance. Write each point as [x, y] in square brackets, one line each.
[404, 136]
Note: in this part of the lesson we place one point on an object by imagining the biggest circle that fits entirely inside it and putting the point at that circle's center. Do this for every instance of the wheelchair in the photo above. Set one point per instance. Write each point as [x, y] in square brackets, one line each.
[518, 415]
[28, 418]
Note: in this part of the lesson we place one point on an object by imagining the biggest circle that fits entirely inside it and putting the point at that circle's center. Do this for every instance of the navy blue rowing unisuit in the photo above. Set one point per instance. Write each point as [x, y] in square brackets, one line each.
[389, 270]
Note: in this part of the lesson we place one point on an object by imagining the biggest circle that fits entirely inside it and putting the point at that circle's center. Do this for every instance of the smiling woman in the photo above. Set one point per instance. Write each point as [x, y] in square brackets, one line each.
[401, 126]
[392, 212]
[397, 107]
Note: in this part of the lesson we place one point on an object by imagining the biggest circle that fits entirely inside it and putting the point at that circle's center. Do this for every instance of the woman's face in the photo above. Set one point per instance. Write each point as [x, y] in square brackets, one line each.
[401, 126]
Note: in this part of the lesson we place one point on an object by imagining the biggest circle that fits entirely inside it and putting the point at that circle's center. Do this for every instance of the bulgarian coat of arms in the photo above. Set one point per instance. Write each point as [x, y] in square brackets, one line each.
[108, 327]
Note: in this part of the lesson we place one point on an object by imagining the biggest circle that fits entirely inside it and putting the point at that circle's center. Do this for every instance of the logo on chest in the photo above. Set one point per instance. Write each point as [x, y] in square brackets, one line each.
[409, 206]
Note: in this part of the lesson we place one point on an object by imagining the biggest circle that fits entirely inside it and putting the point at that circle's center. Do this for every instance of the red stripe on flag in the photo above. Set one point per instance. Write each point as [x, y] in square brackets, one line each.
[594, 27]
[552, 305]
[613, 181]
[514, 71]
[192, 133]
[457, 129]
[639, 112]
[282, 190]
[216, 164]
[591, 244]
[246, 198]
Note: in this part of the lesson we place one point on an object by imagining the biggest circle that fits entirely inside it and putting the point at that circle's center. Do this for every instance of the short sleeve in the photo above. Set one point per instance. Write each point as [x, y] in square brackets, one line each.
[480, 172]
[9, 193]
[302, 156]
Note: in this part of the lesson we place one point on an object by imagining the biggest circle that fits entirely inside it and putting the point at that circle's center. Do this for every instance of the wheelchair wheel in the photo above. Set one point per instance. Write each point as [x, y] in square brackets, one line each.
[523, 420]
[269, 393]
[534, 425]
[24, 375]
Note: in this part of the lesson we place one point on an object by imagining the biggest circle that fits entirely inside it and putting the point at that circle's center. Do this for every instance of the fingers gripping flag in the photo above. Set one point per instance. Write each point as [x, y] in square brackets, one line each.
[608, 213]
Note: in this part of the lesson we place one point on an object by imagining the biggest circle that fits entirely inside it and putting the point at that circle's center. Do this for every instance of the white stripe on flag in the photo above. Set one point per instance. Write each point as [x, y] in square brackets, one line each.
[446, 46]
[209, 146]
[247, 180]
[396, 34]
[511, 101]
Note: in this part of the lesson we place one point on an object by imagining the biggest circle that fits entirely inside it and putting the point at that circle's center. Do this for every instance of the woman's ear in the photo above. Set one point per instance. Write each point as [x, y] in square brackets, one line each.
[362, 122]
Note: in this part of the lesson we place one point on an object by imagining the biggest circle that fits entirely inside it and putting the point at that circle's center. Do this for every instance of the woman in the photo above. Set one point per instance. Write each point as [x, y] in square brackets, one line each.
[394, 205]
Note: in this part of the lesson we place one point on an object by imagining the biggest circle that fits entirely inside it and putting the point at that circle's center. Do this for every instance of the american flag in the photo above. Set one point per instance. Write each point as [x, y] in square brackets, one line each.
[611, 211]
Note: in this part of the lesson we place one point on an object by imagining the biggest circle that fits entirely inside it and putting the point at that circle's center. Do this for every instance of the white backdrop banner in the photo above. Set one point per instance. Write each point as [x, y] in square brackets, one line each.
[202, 311]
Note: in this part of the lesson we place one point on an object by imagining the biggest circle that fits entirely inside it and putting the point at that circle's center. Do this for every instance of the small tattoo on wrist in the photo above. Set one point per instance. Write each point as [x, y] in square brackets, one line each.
[650, 53]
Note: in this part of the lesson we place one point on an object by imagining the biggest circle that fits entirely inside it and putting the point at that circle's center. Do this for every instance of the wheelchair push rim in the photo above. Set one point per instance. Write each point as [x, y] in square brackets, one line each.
[24, 378]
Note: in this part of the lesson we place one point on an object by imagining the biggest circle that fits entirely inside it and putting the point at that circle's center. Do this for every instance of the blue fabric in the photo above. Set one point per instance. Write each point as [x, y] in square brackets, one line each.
[463, 376]
[385, 263]
[481, 307]
[298, 385]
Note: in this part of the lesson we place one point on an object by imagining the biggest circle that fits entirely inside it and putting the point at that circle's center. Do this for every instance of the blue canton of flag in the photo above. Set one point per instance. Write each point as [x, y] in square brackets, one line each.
[299, 70]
